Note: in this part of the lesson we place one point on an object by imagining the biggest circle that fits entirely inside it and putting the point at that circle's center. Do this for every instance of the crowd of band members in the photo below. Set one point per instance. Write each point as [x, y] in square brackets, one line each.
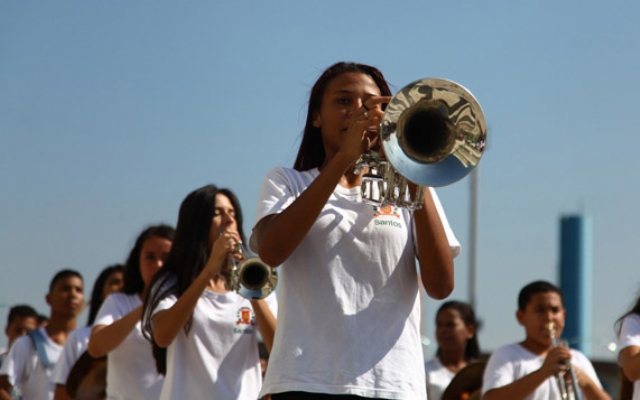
[348, 306]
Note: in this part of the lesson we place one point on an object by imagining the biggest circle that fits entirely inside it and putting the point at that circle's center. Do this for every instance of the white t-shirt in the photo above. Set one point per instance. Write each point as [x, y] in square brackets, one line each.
[630, 336]
[349, 320]
[218, 358]
[75, 345]
[512, 362]
[438, 378]
[24, 369]
[131, 370]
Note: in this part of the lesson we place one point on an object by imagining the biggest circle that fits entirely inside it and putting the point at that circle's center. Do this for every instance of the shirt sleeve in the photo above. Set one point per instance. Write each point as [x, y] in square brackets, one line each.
[454, 245]
[109, 312]
[15, 365]
[499, 371]
[272, 303]
[582, 362]
[629, 332]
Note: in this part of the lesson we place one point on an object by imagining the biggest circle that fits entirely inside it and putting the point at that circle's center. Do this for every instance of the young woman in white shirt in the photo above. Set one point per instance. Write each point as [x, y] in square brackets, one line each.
[211, 334]
[456, 334]
[629, 345]
[117, 332]
[349, 309]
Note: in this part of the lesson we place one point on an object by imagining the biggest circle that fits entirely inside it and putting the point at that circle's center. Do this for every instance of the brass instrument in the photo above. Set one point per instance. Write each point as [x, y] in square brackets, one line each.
[433, 133]
[252, 278]
[567, 382]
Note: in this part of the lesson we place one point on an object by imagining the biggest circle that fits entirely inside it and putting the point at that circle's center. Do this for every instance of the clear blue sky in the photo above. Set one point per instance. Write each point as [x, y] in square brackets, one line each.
[112, 111]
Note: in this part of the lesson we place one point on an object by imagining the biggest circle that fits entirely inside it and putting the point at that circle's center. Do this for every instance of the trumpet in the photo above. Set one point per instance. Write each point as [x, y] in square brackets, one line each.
[433, 133]
[567, 382]
[251, 278]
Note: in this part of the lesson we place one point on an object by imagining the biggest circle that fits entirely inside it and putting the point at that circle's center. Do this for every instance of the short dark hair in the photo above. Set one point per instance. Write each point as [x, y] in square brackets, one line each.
[21, 311]
[533, 288]
[65, 273]
[133, 283]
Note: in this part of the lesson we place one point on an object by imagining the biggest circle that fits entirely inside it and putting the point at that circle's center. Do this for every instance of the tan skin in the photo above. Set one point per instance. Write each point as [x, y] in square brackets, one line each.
[106, 338]
[223, 238]
[452, 335]
[66, 300]
[345, 125]
[542, 309]
[113, 284]
[19, 327]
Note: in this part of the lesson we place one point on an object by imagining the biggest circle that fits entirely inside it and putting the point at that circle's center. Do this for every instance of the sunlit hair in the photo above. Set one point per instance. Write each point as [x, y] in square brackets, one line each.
[311, 151]
[527, 292]
[60, 275]
[468, 316]
[189, 253]
[98, 289]
[133, 283]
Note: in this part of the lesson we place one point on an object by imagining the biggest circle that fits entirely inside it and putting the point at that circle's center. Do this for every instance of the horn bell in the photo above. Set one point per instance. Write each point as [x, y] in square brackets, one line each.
[433, 132]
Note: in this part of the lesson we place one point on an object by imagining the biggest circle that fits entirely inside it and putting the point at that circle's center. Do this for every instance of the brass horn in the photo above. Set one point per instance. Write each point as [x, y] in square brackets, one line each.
[433, 133]
[251, 278]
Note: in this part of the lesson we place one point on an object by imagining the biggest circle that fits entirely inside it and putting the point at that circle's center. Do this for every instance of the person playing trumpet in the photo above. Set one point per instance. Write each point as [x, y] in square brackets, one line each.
[210, 333]
[349, 319]
[530, 369]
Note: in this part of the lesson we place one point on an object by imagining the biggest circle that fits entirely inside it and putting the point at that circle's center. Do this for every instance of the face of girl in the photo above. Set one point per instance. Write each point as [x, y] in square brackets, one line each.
[451, 331]
[344, 94]
[113, 284]
[154, 251]
[224, 217]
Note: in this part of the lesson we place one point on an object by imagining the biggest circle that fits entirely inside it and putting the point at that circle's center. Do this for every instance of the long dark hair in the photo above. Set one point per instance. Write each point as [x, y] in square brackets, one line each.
[472, 350]
[311, 152]
[98, 288]
[133, 283]
[188, 256]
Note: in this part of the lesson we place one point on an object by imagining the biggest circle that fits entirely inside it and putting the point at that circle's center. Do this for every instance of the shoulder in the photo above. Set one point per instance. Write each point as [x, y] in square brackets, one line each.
[432, 365]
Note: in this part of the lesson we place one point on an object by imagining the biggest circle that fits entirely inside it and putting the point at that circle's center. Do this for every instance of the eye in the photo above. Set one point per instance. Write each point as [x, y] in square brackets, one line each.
[343, 100]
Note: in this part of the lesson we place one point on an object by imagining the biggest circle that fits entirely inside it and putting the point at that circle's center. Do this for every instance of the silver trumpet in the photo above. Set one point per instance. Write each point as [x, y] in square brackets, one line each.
[433, 133]
[251, 277]
[567, 382]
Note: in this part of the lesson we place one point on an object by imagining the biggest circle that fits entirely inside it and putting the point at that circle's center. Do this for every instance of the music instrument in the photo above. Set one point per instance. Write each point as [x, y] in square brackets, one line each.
[466, 384]
[87, 379]
[433, 133]
[251, 278]
[567, 382]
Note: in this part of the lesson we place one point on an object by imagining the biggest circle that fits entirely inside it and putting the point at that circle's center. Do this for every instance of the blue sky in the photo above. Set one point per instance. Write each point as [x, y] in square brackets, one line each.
[112, 111]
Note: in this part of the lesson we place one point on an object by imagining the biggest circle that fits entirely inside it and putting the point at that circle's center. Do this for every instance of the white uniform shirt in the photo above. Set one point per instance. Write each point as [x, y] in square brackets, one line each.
[131, 368]
[349, 320]
[438, 378]
[630, 336]
[75, 345]
[24, 369]
[218, 358]
[512, 362]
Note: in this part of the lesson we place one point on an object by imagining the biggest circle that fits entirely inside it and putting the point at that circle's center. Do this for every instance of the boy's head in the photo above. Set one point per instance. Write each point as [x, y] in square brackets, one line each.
[66, 294]
[21, 318]
[539, 305]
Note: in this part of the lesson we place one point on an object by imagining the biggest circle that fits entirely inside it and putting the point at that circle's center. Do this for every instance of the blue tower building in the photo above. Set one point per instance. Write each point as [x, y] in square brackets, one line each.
[576, 279]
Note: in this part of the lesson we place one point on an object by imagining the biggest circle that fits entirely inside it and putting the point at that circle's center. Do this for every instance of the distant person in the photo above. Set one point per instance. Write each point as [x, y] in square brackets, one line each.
[117, 331]
[528, 370]
[629, 347]
[30, 362]
[43, 320]
[109, 281]
[456, 334]
[211, 333]
[21, 319]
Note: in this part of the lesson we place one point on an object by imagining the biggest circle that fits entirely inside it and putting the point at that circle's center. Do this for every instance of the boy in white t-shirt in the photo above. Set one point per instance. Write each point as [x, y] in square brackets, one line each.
[31, 359]
[528, 370]
[21, 319]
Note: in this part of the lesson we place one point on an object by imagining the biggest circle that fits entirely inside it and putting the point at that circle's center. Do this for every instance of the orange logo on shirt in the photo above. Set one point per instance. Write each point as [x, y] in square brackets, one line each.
[245, 316]
[386, 211]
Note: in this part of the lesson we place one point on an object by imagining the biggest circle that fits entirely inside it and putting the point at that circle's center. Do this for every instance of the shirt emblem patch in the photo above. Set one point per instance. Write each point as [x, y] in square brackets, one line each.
[246, 320]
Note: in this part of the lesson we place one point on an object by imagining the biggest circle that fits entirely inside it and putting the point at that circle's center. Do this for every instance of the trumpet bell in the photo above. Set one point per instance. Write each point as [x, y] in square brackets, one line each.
[256, 280]
[433, 132]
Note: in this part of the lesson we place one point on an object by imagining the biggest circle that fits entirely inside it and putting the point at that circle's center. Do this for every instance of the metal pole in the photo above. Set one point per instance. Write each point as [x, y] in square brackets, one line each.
[473, 236]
